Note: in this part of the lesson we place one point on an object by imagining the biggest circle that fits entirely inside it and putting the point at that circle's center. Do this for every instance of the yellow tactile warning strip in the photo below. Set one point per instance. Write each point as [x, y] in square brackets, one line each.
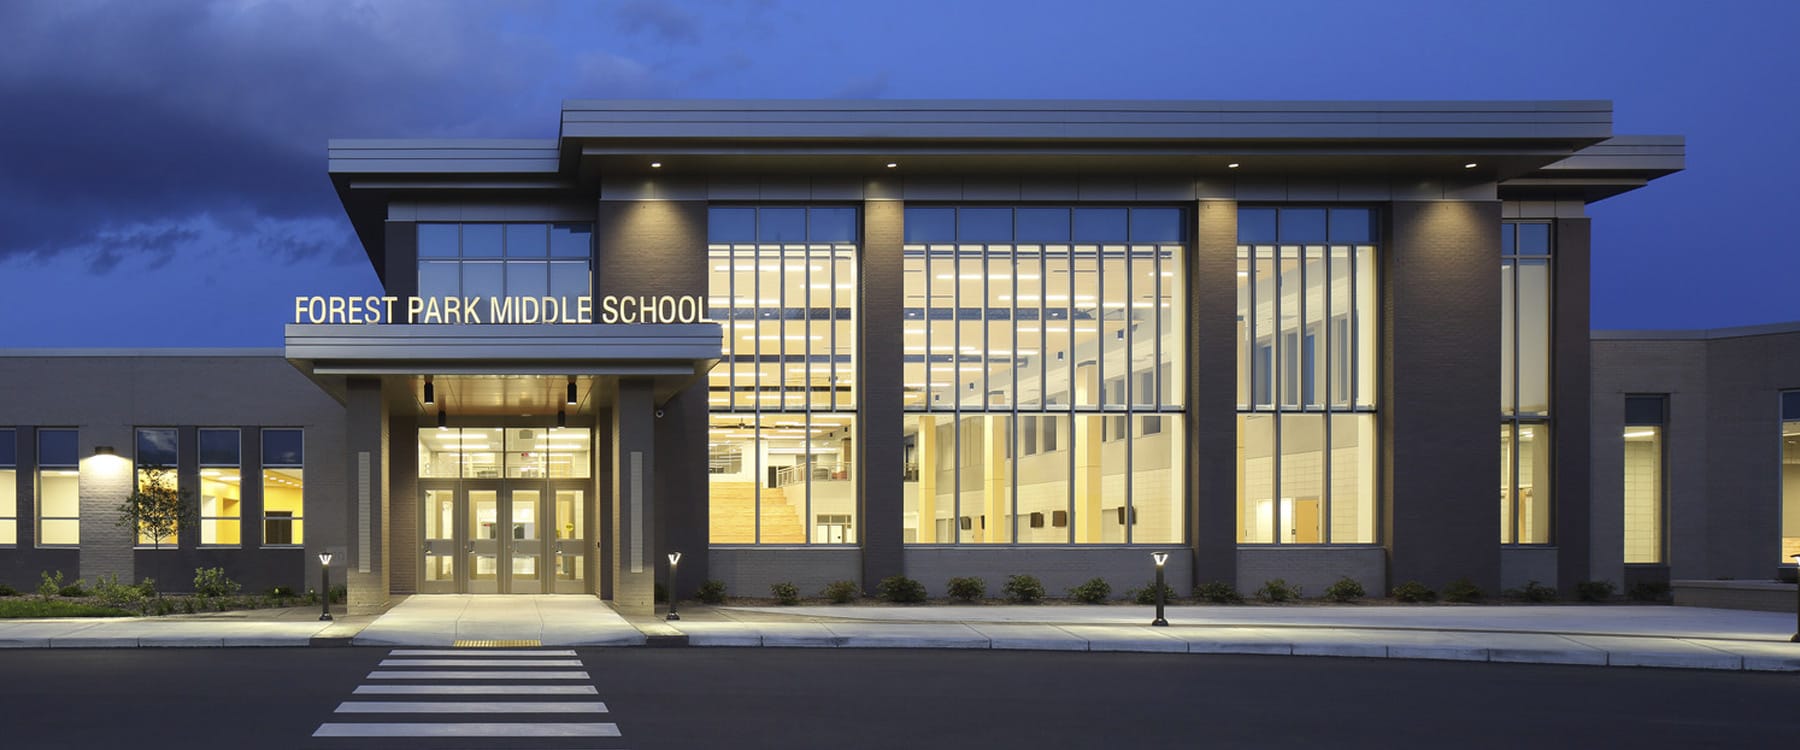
[497, 644]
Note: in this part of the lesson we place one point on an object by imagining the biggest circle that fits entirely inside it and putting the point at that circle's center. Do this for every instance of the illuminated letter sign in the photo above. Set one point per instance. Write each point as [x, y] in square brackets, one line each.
[612, 309]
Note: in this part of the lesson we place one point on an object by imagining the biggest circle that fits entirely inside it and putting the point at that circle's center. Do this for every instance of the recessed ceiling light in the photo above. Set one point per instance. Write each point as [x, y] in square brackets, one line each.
[1233, 165]
[656, 165]
[1470, 165]
[893, 164]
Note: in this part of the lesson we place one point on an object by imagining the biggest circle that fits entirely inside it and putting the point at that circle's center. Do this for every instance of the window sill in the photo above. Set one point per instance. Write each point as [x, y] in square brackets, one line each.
[281, 546]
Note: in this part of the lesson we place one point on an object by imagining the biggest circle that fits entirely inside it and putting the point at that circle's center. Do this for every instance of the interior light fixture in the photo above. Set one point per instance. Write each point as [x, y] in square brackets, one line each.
[562, 418]
[430, 392]
[1470, 165]
[443, 419]
[571, 396]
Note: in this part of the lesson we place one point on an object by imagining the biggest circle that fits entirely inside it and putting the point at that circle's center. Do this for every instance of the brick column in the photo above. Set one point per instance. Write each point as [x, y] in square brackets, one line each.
[1212, 392]
[367, 571]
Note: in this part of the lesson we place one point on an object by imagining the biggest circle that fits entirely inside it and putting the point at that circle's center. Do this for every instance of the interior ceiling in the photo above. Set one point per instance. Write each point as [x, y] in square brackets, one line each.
[507, 395]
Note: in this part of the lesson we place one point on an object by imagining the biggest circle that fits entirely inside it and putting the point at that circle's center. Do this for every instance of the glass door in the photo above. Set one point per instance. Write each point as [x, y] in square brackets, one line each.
[442, 547]
[570, 545]
[487, 543]
[525, 541]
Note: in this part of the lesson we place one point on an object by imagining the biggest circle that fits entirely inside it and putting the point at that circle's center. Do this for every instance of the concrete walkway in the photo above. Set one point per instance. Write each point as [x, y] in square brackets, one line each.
[1599, 635]
[1647, 636]
[444, 619]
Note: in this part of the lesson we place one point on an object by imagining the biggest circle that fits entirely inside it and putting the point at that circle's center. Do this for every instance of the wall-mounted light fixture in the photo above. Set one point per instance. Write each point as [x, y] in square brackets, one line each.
[104, 450]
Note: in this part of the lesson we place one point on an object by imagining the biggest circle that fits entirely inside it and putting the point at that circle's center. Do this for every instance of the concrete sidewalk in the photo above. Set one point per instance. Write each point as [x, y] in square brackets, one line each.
[1641, 636]
[1647, 636]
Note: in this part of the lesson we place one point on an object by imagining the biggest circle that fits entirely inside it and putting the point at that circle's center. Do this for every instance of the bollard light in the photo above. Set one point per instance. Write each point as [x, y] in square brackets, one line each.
[324, 586]
[674, 559]
[1161, 559]
[1796, 638]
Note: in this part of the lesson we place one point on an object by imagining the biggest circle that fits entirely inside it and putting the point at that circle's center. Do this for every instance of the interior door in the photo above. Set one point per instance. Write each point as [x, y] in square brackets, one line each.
[439, 572]
[486, 543]
[569, 549]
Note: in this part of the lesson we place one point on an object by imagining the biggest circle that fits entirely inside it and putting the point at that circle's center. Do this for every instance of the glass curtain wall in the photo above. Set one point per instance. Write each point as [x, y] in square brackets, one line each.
[9, 488]
[505, 260]
[221, 488]
[1645, 491]
[1044, 368]
[1307, 312]
[58, 488]
[156, 468]
[1790, 475]
[782, 281]
[1525, 434]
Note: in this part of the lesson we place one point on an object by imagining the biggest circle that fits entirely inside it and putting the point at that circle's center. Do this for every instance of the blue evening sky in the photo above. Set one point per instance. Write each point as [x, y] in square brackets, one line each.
[162, 164]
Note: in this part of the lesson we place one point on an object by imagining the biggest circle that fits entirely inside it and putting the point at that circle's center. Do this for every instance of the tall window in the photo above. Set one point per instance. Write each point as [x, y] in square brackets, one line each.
[1306, 375]
[1790, 475]
[157, 449]
[1044, 367]
[284, 487]
[59, 488]
[783, 283]
[9, 488]
[1525, 309]
[505, 260]
[221, 487]
[1646, 505]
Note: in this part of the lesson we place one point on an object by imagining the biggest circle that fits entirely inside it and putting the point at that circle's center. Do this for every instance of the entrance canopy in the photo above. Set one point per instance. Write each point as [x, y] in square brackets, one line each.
[671, 356]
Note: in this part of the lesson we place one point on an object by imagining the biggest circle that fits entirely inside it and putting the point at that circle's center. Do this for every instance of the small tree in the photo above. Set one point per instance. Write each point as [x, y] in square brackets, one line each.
[157, 509]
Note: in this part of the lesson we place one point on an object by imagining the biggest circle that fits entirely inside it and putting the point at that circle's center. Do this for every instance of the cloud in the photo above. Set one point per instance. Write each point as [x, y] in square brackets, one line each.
[664, 19]
[125, 118]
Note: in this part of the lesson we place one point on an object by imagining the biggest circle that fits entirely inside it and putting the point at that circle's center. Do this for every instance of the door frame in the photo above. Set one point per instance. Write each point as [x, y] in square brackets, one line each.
[461, 543]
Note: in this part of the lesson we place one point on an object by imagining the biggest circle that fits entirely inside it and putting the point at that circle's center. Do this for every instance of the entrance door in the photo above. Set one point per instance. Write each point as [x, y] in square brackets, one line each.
[439, 570]
[487, 537]
[569, 546]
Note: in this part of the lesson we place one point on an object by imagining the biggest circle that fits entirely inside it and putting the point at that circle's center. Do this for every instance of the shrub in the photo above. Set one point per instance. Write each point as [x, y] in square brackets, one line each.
[6, 590]
[281, 592]
[1346, 589]
[1648, 591]
[1094, 591]
[1147, 594]
[711, 591]
[1276, 590]
[1413, 592]
[785, 592]
[78, 588]
[901, 590]
[50, 585]
[1463, 591]
[187, 605]
[1024, 588]
[841, 592]
[1533, 592]
[966, 589]
[1218, 592]
[1594, 591]
[339, 594]
[214, 582]
[147, 587]
[163, 606]
[111, 593]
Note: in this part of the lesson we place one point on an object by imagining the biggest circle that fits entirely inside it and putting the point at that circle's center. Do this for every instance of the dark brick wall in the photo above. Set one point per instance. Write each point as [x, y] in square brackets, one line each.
[1212, 392]
[1440, 374]
[878, 444]
[404, 546]
[1745, 376]
[659, 247]
[1569, 401]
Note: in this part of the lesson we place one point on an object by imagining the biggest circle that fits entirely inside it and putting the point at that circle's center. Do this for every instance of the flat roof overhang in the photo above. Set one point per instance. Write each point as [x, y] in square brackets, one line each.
[673, 356]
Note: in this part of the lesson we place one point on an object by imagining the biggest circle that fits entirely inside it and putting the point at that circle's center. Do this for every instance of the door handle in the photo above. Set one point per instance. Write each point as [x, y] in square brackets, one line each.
[471, 548]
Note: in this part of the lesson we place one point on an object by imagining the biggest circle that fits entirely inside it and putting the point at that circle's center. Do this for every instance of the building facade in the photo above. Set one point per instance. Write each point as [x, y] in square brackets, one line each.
[821, 341]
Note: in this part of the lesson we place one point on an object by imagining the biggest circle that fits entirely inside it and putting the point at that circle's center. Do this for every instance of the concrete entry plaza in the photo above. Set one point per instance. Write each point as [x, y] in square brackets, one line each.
[553, 620]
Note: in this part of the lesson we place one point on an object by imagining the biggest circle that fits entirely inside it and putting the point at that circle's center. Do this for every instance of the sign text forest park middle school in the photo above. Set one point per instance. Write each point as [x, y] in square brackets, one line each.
[479, 310]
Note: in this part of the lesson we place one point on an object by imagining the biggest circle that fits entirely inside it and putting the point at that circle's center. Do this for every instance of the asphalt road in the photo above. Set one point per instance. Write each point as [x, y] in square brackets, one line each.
[775, 698]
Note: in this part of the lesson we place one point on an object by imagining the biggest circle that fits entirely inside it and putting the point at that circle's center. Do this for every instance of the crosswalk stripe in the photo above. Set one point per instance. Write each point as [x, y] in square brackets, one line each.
[468, 729]
[475, 675]
[476, 690]
[479, 652]
[480, 663]
[471, 707]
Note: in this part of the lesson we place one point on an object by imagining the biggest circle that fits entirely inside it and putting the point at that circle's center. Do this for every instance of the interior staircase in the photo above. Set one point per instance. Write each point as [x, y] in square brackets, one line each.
[733, 519]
